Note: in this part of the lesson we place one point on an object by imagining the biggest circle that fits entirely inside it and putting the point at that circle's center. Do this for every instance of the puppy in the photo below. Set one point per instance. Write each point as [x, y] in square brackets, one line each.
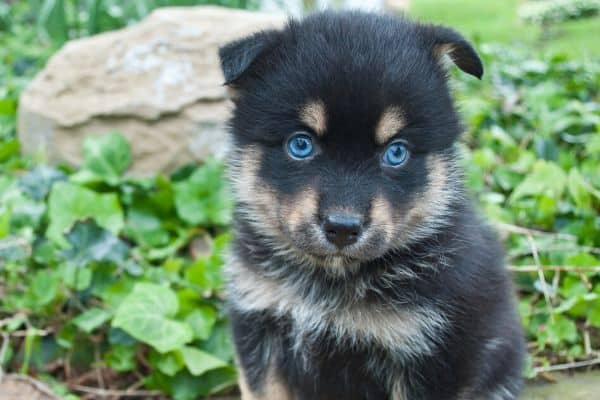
[359, 270]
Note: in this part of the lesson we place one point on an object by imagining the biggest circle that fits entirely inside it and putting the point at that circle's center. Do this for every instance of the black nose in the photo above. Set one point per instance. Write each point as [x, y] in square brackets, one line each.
[342, 229]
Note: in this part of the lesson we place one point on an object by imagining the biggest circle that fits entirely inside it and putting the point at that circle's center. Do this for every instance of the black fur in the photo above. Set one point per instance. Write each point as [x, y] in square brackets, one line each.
[358, 64]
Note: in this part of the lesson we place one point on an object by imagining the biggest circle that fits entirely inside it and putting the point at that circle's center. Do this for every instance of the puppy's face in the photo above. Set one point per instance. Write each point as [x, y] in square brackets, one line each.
[343, 132]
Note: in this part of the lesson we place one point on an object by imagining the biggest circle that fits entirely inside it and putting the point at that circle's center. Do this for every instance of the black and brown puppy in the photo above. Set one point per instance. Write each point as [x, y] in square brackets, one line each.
[359, 269]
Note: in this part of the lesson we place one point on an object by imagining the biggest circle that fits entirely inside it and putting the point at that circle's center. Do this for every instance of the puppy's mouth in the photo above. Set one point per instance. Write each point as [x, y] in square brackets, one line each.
[312, 244]
[336, 255]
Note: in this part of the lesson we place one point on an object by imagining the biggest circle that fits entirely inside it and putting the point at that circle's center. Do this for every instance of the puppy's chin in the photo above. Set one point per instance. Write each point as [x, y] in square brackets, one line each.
[311, 246]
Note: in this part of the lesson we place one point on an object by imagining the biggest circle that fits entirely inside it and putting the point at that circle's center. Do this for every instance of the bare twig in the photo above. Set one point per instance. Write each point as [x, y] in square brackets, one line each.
[38, 332]
[565, 268]
[541, 276]
[555, 249]
[501, 226]
[112, 392]
[563, 367]
[3, 349]
[587, 343]
[8, 320]
[135, 386]
[555, 281]
[99, 377]
[85, 377]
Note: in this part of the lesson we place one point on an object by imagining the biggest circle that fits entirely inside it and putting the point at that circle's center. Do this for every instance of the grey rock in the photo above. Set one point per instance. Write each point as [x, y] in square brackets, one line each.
[157, 82]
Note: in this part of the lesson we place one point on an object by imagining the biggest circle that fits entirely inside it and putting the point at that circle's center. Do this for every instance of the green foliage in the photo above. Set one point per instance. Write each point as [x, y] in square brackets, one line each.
[498, 22]
[68, 203]
[60, 20]
[106, 157]
[147, 315]
[203, 198]
[99, 270]
[551, 11]
[98, 262]
[534, 131]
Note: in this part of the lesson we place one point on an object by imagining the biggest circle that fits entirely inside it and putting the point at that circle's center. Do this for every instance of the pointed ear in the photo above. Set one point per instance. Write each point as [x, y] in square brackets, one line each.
[239, 56]
[449, 44]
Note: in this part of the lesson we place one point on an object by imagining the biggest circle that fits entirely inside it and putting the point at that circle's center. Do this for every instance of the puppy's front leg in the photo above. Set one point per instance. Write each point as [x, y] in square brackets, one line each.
[258, 348]
[270, 388]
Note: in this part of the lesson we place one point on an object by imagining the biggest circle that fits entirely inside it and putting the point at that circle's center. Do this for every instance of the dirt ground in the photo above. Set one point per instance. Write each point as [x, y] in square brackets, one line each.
[15, 387]
[580, 386]
[577, 387]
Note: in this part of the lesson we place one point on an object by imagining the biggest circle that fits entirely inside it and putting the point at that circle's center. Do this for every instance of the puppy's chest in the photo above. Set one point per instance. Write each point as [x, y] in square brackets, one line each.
[406, 332]
[318, 372]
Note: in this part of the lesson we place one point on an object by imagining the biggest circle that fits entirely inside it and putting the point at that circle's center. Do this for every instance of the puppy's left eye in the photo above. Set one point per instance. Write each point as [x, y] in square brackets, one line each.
[395, 154]
[300, 146]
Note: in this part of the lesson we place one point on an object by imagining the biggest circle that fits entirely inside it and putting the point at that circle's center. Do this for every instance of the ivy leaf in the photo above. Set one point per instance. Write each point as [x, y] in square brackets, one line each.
[74, 277]
[198, 361]
[185, 386]
[168, 363]
[12, 249]
[90, 242]
[146, 227]
[579, 190]
[69, 203]
[91, 319]
[8, 107]
[558, 330]
[121, 358]
[113, 294]
[202, 321]
[203, 198]
[219, 344]
[43, 288]
[52, 21]
[38, 182]
[8, 149]
[594, 314]
[5, 216]
[206, 271]
[146, 314]
[107, 156]
[547, 178]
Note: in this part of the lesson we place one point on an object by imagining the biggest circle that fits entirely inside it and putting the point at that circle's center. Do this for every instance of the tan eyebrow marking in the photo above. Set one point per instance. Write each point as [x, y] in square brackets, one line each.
[390, 122]
[314, 115]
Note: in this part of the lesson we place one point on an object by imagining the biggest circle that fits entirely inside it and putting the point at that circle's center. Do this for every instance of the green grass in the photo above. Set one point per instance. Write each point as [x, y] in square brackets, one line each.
[497, 21]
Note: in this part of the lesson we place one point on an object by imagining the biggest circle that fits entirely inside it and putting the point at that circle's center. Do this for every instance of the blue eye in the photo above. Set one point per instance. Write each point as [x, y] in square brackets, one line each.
[300, 146]
[396, 154]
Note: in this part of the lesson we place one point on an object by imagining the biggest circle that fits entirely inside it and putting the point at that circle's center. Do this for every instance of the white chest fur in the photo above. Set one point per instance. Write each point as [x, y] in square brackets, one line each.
[405, 332]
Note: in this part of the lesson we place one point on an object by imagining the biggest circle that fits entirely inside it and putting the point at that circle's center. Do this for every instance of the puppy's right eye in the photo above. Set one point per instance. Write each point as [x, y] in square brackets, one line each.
[300, 146]
[395, 154]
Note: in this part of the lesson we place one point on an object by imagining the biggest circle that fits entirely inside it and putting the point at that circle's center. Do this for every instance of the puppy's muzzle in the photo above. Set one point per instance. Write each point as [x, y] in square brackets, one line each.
[341, 229]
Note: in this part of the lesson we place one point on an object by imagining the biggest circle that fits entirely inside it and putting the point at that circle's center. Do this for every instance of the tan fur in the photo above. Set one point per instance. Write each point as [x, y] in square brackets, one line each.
[314, 115]
[438, 177]
[499, 393]
[273, 388]
[257, 195]
[432, 205]
[398, 391]
[232, 93]
[262, 206]
[382, 216]
[254, 291]
[399, 330]
[301, 209]
[390, 122]
[244, 388]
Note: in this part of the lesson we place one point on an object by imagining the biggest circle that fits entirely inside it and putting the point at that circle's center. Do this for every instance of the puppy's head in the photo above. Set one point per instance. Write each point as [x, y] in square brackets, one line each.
[343, 132]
